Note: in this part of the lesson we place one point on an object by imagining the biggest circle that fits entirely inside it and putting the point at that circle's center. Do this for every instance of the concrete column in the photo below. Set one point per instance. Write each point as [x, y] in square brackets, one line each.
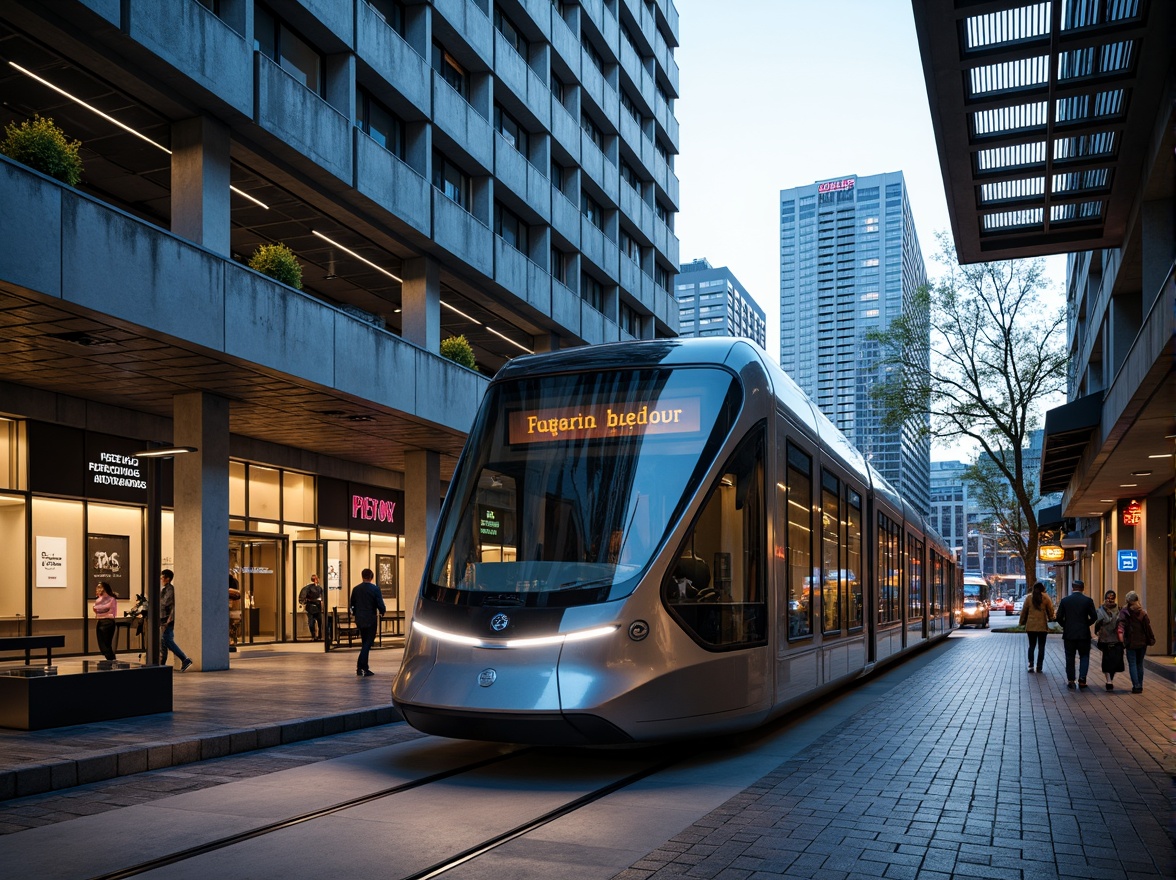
[1153, 569]
[420, 301]
[201, 536]
[545, 342]
[200, 183]
[422, 501]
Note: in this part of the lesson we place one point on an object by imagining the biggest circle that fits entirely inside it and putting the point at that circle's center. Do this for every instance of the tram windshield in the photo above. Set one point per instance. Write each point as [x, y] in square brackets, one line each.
[571, 482]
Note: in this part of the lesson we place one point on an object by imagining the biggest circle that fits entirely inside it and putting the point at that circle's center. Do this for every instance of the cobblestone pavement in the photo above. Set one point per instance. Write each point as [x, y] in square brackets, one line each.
[906, 789]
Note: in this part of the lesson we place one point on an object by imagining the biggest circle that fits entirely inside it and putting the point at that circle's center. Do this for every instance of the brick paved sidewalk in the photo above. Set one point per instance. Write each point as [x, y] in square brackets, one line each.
[270, 696]
[973, 768]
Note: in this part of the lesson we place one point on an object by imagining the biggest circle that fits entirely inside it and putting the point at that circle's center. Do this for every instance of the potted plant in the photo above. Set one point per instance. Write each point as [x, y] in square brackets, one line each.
[278, 262]
[43, 147]
[459, 350]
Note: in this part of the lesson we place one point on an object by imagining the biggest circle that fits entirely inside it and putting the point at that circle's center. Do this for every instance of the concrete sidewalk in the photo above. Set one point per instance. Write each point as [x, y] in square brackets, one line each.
[270, 695]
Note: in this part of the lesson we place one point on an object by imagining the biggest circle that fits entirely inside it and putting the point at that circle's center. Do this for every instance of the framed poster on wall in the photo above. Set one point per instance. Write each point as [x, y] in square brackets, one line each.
[51, 557]
[109, 561]
[334, 579]
[386, 576]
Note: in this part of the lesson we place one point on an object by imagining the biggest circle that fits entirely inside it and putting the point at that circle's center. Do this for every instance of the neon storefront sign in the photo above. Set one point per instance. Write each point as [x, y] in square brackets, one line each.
[369, 509]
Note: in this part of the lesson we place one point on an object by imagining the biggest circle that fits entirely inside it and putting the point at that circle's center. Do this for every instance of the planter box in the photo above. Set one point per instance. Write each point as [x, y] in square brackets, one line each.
[81, 693]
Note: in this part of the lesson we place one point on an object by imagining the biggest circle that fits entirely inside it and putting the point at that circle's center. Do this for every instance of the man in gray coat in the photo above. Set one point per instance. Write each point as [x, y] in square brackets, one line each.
[1076, 614]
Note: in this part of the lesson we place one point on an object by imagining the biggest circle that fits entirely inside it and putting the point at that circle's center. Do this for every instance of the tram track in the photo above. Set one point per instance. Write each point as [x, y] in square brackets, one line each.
[437, 867]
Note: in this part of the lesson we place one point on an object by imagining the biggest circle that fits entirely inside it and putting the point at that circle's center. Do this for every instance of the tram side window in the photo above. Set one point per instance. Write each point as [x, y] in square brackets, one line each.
[716, 588]
[914, 578]
[834, 573]
[798, 513]
[889, 573]
[853, 557]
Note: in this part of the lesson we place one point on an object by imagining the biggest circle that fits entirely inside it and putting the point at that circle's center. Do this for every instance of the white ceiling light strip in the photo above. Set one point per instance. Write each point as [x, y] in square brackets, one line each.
[115, 122]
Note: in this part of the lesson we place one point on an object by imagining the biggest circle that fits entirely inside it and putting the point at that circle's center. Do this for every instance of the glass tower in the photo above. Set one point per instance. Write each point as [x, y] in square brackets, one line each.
[849, 263]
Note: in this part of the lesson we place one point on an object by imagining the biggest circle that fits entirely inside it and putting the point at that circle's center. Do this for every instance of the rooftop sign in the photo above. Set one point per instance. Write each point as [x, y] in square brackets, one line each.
[835, 185]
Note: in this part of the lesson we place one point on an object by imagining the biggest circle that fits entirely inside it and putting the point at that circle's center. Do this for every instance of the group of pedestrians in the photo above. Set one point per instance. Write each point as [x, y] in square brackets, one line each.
[1121, 633]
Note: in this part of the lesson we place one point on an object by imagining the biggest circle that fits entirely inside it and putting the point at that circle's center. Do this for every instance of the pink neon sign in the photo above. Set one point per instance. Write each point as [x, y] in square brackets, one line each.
[368, 508]
[834, 185]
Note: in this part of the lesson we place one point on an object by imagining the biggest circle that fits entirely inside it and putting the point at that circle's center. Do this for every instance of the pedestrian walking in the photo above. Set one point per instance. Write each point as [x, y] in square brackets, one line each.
[1135, 632]
[1076, 614]
[310, 598]
[1106, 633]
[105, 611]
[366, 607]
[1036, 614]
[167, 621]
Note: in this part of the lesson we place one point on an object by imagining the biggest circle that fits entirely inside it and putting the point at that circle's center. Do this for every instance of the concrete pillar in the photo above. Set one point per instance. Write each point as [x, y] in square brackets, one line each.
[201, 538]
[200, 183]
[420, 301]
[1154, 532]
[422, 502]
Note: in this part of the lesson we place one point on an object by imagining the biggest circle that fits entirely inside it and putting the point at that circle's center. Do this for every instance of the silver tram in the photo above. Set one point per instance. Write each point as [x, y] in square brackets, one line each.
[660, 539]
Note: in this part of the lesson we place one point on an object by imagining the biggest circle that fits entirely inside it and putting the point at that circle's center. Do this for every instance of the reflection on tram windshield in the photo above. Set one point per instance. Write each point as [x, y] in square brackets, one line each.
[578, 478]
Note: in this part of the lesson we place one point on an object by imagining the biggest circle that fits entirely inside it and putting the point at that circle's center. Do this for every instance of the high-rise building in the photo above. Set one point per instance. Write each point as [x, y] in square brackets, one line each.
[712, 302]
[499, 171]
[850, 263]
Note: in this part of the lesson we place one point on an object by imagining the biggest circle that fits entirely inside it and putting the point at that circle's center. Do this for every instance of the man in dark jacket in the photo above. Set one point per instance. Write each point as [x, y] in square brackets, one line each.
[366, 607]
[1076, 614]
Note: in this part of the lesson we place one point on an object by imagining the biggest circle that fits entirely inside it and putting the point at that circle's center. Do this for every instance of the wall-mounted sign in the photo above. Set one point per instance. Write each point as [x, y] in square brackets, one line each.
[1128, 560]
[361, 507]
[85, 464]
[109, 561]
[605, 421]
[1132, 514]
[51, 561]
[1050, 553]
[836, 185]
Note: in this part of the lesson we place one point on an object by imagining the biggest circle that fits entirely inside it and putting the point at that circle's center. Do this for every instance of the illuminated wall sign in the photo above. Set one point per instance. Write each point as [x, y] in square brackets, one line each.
[836, 185]
[605, 421]
[365, 507]
[1132, 514]
[1050, 553]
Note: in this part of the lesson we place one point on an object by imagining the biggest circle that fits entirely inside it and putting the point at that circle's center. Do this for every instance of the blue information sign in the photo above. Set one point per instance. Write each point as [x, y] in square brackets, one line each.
[1128, 560]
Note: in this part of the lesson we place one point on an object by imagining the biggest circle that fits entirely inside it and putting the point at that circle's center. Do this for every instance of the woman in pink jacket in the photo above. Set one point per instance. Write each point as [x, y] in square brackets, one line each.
[105, 610]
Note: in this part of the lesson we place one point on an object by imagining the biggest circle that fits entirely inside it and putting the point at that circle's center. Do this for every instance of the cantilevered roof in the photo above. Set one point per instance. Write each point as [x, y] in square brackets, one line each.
[1068, 429]
[1042, 112]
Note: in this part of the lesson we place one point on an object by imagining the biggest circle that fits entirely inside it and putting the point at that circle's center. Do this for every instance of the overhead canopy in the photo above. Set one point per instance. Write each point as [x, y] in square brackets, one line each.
[1043, 113]
[1068, 429]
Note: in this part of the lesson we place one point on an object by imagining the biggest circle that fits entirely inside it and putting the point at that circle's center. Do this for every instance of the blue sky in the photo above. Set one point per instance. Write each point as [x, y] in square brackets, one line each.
[781, 93]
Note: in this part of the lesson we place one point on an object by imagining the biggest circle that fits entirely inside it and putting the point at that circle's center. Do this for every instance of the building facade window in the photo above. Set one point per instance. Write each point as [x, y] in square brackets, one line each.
[379, 123]
[451, 70]
[288, 50]
[592, 291]
[513, 36]
[511, 130]
[392, 11]
[592, 130]
[510, 228]
[451, 180]
[591, 209]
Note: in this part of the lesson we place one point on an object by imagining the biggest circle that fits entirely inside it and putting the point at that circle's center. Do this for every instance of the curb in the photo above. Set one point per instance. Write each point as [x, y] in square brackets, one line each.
[1162, 666]
[97, 766]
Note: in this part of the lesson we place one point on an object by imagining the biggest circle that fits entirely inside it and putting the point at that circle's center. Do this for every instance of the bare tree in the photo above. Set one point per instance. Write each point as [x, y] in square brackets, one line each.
[983, 350]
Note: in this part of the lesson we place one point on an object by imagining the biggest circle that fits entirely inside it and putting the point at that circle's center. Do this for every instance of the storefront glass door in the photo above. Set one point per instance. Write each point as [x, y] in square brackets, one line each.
[257, 565]
[309, 558]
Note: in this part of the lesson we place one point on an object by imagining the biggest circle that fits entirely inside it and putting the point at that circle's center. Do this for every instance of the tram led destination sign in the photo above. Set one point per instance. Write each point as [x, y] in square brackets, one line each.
[605, 421]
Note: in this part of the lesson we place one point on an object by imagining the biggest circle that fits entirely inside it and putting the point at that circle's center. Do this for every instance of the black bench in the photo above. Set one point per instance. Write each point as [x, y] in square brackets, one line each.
[28, 644]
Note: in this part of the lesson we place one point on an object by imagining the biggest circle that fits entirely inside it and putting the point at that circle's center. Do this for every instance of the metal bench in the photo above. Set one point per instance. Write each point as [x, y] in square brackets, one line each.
[28, 644]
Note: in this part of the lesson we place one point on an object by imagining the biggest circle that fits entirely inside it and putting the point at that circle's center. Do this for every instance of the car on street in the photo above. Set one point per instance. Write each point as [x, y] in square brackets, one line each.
[974, 613]
[1005, 605]
[1018, 605]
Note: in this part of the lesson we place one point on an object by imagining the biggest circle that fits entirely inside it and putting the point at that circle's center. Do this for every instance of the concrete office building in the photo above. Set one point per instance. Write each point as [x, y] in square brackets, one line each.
[850, 262]
[712, 302]
[500, 170]
[1056, 132]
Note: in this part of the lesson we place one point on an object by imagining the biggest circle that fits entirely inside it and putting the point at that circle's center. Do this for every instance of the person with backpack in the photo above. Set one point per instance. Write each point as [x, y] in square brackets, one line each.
[1135, 632]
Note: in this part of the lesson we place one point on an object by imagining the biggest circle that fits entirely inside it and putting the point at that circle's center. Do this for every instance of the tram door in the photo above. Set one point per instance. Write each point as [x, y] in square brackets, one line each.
[257, 563]
[310, 557]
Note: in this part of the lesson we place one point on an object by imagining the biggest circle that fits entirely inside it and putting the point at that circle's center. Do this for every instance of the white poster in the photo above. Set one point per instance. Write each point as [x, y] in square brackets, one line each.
[334, 581]
[50, 561]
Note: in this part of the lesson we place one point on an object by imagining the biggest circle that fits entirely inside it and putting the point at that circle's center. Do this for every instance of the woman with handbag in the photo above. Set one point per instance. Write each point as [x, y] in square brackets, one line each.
[1135, 632]
[1036, 614]
[1106, 631]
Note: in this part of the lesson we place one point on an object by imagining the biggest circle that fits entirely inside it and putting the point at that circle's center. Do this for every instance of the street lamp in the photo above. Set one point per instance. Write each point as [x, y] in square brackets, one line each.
[155, 539]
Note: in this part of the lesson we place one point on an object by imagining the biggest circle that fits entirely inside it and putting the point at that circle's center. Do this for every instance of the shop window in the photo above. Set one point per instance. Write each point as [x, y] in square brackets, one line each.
[298, 497]
[59, 570]
[265, 495]
[236, 489]
[12, 538]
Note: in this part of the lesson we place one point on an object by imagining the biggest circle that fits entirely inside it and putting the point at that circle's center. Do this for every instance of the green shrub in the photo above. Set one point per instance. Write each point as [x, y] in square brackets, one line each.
[43, 147]
[459, 350]
[278, 262]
